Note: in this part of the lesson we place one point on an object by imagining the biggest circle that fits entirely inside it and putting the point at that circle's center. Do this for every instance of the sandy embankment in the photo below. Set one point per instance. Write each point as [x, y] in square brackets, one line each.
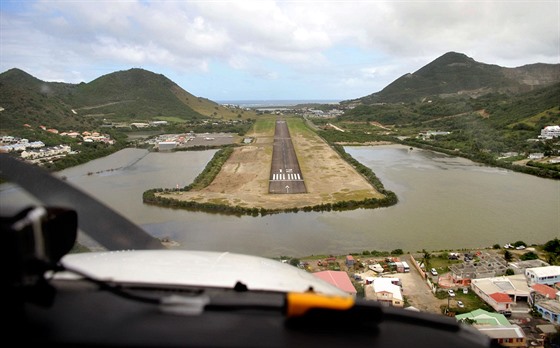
[243, 180]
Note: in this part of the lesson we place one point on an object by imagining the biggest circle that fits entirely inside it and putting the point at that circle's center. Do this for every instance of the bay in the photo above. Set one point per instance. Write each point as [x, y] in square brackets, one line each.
[445, 202]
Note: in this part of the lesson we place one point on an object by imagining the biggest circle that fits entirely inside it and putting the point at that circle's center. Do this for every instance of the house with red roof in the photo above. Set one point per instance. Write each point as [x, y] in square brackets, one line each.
[541, 292]
[339, 279]
[502, 293]
[500, 302]
[546, 300]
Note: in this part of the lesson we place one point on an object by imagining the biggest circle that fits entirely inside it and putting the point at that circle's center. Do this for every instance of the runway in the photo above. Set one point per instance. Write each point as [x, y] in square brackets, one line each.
[285, 174]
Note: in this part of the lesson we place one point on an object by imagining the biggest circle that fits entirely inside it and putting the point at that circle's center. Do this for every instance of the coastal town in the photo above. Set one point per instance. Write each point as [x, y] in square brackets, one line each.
[35, 151]
[516, 303]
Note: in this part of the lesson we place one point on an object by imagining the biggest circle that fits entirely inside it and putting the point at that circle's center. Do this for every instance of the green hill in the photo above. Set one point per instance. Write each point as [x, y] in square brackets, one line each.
[135, 95]
[529, 109]
[455, 74]
[26, 99]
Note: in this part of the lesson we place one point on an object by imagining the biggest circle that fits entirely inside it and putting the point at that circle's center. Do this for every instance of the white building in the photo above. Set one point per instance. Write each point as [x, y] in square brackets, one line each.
[387, 293]
[140, 125]
[166, 145]
[501, 293]
[536, 155]
[550, 132]
[55, 151]
[548, 275]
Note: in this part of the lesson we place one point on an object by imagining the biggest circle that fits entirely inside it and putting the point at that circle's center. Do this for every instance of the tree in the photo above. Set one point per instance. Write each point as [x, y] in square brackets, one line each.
[508, 256]
[397, 252]
[552, 246]
[509, 272]
[529, 256]
[294, 261]
[426, 256]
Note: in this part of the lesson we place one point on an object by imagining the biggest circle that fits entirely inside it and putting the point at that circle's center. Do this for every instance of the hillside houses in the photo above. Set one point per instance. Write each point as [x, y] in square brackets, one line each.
[49, 153]
[38, 152]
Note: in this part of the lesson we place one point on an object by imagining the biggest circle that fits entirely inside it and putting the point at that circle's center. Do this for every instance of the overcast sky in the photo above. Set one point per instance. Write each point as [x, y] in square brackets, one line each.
[243, 50]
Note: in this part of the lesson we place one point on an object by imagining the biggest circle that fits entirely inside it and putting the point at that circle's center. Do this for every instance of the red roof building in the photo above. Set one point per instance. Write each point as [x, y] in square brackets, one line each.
[501, 301]
[541, 292]
[501, 297]
[544, 290]
[339, 279]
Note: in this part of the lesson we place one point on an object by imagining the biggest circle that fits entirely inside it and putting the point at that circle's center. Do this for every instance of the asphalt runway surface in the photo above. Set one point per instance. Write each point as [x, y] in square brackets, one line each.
[285, 174]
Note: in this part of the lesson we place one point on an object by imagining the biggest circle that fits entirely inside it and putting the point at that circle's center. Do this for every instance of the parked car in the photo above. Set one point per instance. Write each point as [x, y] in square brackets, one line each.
[451, 292]
[434, 272]
[521, 247]
[460, 304]
[465, 291]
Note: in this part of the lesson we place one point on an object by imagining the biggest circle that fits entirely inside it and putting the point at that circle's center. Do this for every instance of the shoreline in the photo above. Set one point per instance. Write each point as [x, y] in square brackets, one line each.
[240, 184]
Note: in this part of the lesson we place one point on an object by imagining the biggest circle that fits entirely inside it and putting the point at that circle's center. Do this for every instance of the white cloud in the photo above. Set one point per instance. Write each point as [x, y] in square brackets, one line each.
[274, 40]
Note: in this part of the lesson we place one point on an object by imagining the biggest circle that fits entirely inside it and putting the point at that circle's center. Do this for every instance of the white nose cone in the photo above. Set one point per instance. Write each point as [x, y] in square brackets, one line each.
[197, 268]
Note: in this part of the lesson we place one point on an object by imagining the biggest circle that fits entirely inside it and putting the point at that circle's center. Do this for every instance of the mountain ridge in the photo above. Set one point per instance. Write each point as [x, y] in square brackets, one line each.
[455, 74]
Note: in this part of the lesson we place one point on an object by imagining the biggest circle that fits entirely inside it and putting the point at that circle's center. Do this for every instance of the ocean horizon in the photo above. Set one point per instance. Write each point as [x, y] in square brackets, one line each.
[277, 103]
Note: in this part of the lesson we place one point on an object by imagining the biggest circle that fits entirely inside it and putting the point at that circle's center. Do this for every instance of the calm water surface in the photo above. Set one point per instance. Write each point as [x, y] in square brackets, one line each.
[444, 202]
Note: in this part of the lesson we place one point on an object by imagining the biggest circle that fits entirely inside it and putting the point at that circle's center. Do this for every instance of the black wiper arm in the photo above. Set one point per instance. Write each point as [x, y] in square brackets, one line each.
[108, 228]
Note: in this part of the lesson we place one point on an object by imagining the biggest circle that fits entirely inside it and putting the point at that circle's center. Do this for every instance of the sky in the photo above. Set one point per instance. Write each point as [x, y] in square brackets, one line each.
[270, 50]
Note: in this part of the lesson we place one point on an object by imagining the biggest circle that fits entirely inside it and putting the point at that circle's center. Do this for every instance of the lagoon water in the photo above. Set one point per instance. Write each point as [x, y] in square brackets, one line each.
[445, 202]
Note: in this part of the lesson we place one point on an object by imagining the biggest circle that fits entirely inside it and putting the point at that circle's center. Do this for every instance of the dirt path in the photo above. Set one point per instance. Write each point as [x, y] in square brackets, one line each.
[244, 178]
[418, 293]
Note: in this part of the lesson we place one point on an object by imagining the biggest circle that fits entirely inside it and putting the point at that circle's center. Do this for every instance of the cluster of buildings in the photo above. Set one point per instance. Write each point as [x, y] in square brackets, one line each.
[487, 279]
[38, 152]
[538, 288]
[33, 151]
[429, 134]
[89, 137]
[9, 143]
[332, 113]
[535, 286]
[149, 124]
[385, 290]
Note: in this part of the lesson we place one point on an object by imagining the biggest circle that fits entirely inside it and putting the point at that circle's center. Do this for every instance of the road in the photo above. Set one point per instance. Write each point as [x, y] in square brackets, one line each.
[418, 293]
[285, 174]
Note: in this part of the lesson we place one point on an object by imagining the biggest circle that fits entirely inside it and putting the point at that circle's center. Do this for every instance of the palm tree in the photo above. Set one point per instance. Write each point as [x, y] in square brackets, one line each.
[426, 259]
